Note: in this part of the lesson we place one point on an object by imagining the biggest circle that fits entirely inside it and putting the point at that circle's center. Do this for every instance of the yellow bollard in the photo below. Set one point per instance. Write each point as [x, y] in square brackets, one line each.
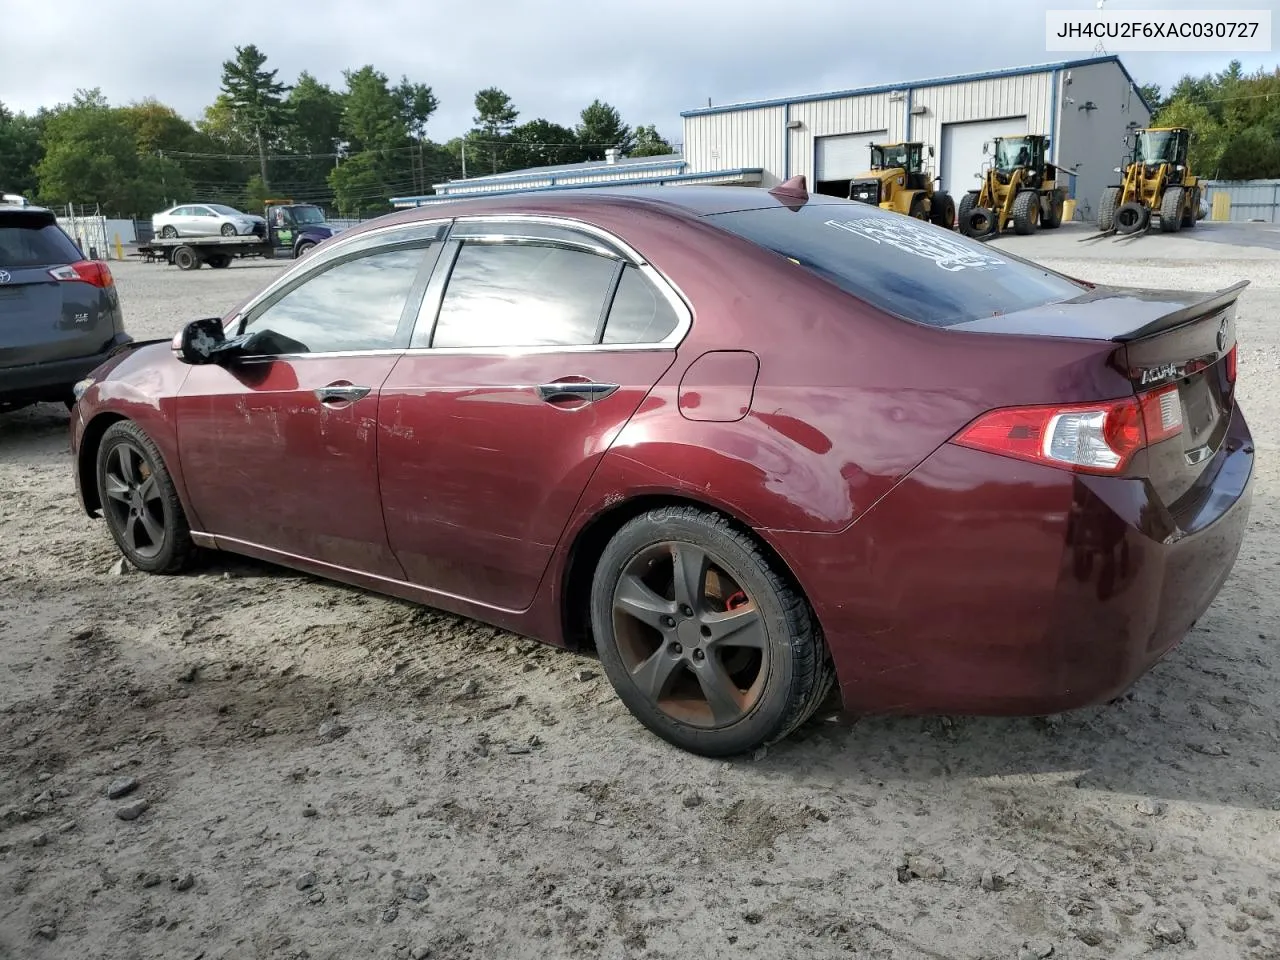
[1221, 207]
[119, 248]
[1068, 210]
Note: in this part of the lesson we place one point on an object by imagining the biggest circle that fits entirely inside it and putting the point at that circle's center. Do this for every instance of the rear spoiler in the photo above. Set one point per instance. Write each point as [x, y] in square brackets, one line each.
[1191, 312]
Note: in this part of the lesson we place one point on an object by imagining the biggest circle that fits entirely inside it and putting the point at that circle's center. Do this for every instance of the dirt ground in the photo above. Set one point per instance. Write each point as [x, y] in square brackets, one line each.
[329, 774]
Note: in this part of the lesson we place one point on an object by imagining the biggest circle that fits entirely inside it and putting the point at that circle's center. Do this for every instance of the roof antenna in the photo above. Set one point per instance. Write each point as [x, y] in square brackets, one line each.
[796, 189]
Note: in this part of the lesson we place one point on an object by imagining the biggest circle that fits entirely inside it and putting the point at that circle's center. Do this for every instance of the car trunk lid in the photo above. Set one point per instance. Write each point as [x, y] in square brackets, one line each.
[1162, 340]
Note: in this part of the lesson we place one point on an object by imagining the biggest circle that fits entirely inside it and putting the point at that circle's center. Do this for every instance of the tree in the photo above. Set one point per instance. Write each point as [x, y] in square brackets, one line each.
[494, 119]
[540, 143]
[416, 103]
[649, 143]
[20, 151]
[1151, 94]
[255, 98]
[357, 185]
[600, 128]
[314, 132]
[371, 116]
[91, 156]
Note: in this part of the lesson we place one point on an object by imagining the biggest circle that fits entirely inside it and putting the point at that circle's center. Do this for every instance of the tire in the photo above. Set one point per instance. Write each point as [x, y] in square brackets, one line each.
[1131, 217]
[1107, 207]
[168, 232]
[784, 663]
[979, 222]
[917, 208]
[1026, 212]
[304, 249]
[967, 203]
[1192, 210]
[184, 258]
[220, 261]
[1171, 205]
[137, 493]
[228, 230]
[943, 213]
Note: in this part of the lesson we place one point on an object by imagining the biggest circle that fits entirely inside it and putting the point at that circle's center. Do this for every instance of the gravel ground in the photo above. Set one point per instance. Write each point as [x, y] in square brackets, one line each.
[248, 763]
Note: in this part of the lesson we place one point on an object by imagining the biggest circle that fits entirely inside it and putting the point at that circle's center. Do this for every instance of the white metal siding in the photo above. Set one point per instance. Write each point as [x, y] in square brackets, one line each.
[1091, 141]
[825, 118]
[961, 157]
[1028, 95]
[845, 156]
[728, 141]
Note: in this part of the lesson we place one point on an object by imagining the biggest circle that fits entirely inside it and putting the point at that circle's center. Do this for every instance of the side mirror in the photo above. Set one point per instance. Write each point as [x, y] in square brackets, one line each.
[198, 341]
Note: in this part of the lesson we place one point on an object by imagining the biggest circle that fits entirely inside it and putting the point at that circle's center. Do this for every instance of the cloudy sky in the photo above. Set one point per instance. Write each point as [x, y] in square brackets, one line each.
[649, 58]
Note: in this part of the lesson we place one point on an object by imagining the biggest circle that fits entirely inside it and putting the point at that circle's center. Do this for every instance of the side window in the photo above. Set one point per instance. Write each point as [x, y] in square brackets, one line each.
[639, 314]
[352, 305]
[522, 295]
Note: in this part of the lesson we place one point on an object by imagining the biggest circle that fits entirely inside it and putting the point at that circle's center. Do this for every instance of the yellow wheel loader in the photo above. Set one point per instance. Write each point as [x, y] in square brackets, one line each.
[1157, 182]
[1019, 185]
[897, 181]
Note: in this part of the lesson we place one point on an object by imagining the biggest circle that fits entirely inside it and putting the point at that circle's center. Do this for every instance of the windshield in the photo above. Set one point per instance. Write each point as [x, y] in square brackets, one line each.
[307, 214]
[1156, 147]
[1013, 152]
[224, 210]
[888, 157]
[905, 267]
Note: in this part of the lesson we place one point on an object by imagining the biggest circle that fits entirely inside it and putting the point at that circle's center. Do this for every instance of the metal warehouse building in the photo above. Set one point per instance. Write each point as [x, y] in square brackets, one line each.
[1085, 106]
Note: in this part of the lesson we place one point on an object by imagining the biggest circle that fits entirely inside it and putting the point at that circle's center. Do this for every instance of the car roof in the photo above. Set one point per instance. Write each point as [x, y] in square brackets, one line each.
[30, 212]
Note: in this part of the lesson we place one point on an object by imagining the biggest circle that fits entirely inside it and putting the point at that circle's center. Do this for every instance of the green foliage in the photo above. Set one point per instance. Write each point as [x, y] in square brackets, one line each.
[600, 128]
[649, 143]
[1234, 120]
[353, 147]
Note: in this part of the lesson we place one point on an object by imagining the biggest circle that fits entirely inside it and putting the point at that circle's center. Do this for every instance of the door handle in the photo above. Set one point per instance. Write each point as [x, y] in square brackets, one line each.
[341, 393]
[571, 390]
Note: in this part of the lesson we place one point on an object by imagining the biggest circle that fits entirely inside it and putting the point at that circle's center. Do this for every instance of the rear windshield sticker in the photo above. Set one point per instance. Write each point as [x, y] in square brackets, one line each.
[924, 241]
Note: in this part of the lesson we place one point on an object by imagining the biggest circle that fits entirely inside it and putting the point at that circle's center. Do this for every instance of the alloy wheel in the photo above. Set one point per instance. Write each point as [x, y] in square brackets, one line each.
[134, 500]
[692, 639]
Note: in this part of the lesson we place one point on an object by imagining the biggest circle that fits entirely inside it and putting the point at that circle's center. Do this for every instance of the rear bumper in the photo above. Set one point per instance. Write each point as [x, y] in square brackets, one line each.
[51, 382]
[981, 585]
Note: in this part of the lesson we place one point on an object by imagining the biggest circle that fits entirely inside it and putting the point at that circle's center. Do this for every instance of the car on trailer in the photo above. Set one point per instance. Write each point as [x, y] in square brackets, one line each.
[288, 231]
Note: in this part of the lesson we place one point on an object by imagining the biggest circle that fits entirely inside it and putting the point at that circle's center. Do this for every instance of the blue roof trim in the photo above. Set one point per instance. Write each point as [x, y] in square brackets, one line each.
[918, 84]
[553, 172]
[610, 184]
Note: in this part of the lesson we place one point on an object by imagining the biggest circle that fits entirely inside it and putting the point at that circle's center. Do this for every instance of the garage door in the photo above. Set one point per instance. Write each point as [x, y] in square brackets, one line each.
[845, 156]
[962, 157]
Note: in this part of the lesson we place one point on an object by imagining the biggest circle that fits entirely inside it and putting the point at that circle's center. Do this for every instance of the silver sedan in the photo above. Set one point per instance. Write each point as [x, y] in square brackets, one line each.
[206, 220]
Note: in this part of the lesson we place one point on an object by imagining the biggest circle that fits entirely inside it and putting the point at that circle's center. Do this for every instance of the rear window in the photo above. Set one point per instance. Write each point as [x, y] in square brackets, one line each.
[904, 266]
[31, 241]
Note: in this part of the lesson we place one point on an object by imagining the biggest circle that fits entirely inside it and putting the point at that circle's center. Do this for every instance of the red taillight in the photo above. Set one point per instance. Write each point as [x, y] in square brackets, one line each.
[1231, 363]
[95, 272]
[1085, 437]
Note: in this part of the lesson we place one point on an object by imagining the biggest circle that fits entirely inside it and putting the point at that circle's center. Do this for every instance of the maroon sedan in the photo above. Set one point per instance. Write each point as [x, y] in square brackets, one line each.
[745, 444]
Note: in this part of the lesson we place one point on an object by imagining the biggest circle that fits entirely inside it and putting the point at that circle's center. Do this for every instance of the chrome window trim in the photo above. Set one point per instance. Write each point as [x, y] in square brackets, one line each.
[338, 249]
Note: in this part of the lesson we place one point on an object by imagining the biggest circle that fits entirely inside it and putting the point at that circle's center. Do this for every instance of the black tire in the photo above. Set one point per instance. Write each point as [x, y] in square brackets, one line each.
[979, 222]
[228, 230]
[304, 248]
[220, 261]
[1107, 208]
[139, 501]
[967, 203]
[184, 258]
[1191, 215]
[780, 651]
[1171, 209]
[918, 211]
[1026, 212]
[1131, 217]
[943, 212]
[168, 232]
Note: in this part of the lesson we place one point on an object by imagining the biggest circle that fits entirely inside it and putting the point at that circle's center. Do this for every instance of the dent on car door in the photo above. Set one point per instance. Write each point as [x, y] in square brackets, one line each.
[491, 425]
[279, 451]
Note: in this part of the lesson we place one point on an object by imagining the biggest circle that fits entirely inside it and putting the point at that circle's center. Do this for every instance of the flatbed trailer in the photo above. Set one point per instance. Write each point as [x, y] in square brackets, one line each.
[191, 253]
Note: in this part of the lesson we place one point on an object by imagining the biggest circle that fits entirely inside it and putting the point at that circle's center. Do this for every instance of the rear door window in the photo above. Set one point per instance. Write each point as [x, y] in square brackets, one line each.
[899, 264]
[27, 241]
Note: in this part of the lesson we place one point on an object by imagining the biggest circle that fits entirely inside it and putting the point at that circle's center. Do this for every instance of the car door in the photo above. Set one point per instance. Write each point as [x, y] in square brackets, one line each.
[204, 222]
[491, 424]
[279, 450]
